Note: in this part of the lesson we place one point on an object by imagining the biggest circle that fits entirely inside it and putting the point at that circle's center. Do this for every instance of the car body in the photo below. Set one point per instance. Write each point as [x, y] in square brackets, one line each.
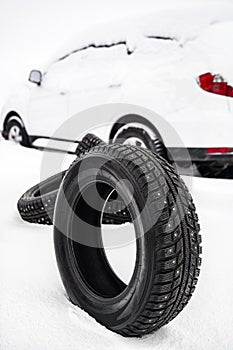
[155, 62]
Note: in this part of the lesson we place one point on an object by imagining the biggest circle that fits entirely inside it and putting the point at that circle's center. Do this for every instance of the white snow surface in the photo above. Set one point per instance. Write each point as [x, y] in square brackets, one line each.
[35, 313]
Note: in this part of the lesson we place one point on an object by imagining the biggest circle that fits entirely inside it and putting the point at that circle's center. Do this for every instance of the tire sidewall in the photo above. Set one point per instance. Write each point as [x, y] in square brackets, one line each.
[112, 312]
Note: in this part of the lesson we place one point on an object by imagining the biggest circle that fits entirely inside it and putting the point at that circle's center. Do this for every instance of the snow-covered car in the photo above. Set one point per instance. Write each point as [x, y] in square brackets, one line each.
[177, 62]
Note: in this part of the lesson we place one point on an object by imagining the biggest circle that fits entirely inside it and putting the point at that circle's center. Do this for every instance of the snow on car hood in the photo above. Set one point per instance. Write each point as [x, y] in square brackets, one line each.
[181, 23]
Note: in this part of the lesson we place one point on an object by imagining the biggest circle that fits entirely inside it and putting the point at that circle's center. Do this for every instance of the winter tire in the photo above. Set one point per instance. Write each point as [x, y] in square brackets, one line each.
[37, 204]
[166, 232]
[140, 137]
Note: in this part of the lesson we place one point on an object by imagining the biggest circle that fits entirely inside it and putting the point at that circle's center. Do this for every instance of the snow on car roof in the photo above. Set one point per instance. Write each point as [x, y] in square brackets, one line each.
[181, 23]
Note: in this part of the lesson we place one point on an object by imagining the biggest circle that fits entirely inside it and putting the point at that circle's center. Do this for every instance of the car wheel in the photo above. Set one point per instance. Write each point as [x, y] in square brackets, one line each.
[139, 137]
[166, 235]
[14, 131]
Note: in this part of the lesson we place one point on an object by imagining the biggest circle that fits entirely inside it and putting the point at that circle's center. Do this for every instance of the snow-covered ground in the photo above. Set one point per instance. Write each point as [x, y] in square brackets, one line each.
[35, 313]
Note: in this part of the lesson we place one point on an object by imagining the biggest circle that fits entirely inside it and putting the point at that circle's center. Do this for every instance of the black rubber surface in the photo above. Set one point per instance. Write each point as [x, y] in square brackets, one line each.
[153, 144]
[36, 205]
[167, 237]
[215, 170]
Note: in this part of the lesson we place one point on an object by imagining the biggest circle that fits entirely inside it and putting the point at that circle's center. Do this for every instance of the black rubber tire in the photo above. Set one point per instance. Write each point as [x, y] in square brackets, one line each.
[168, 250]
[25, 138]
[155, 145]
[37, 204]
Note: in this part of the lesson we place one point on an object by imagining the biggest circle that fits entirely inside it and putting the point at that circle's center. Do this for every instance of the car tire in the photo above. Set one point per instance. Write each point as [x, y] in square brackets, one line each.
[37, 204]
[142, 138]
[15, 131]
[167, 238]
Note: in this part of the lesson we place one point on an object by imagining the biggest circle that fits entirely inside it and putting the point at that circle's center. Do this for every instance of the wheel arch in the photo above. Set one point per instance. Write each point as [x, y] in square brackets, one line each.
[12, 115]
[133, 118]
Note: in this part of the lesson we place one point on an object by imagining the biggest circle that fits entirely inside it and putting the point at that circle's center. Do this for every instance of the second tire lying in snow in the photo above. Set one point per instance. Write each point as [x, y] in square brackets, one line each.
[36, 205]
[166, 234]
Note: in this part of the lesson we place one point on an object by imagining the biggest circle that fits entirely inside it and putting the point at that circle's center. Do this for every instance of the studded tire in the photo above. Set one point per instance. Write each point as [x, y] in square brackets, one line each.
[167, 238]
[37, 204]
[153, 144]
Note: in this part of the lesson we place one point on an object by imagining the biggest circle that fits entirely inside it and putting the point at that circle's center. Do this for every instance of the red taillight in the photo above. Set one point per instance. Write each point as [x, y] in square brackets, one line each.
[219, 150]
[229, 91]
[215, 84]
[206, 81]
